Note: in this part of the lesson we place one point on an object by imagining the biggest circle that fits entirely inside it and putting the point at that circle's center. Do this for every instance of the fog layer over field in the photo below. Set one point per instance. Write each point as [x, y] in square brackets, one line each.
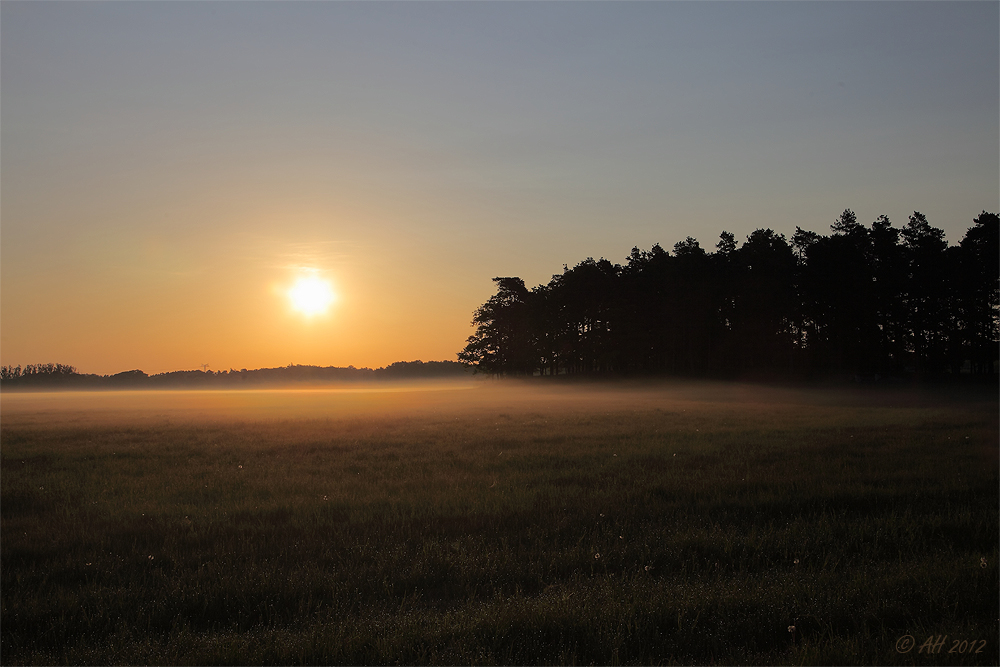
[454, 397]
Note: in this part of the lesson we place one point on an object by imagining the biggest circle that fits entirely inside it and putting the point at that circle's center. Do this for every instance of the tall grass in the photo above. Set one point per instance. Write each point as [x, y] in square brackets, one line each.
[648, 531]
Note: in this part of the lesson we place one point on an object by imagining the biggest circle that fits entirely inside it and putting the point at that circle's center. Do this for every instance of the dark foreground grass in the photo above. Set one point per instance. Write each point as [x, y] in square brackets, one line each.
[669, 532]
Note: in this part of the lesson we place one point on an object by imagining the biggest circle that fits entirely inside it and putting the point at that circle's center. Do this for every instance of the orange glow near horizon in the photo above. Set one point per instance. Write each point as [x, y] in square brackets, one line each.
[314, 291]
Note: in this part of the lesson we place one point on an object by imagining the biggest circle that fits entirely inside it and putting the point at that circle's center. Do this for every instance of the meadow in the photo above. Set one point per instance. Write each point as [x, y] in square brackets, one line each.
[501, 523]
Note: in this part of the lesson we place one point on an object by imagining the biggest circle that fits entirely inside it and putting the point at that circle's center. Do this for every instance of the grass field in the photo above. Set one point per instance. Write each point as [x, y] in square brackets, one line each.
[507, 523]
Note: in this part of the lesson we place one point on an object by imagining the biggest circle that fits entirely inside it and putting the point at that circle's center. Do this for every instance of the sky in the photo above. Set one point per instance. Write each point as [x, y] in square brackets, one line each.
[169, 169]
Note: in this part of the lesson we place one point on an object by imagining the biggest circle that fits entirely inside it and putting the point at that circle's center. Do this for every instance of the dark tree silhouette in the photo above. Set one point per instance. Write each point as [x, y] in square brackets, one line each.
[926, 295]
[504, 342]
[644, 310]
[839, 305]
[582, 300]
[861, 302]
[977, 304]
[761, 331]
[888, 286]
[60, 376]
[693, 308]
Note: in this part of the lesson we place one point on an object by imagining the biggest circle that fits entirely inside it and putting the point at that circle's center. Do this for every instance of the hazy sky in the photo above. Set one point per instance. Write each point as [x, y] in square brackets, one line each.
[167, 167]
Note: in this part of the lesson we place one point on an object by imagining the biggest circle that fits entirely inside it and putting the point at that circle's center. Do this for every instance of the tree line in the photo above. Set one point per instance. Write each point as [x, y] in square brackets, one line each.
[866, 302]
[61, 376]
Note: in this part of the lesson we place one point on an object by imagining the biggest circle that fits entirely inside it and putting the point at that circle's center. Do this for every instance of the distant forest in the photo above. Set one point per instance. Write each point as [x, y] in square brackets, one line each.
[862, 303]
[60, 376]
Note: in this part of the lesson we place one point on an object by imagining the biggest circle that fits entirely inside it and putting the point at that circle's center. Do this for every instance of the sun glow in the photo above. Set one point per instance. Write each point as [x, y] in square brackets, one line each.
[311, 295]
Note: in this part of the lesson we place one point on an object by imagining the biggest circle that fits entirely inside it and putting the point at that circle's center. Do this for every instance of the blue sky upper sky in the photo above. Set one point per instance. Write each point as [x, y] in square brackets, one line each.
[166, 165]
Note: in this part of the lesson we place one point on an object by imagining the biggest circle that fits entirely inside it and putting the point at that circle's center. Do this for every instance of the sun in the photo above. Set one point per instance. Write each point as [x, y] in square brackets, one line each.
[311, 295]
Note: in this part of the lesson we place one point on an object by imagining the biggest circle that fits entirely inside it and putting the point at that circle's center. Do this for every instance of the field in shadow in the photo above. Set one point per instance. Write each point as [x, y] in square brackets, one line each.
[500, 523]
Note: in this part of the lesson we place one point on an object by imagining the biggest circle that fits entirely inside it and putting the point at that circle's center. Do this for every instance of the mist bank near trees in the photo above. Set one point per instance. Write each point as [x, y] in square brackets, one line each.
[864, 302]
[60, 376]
